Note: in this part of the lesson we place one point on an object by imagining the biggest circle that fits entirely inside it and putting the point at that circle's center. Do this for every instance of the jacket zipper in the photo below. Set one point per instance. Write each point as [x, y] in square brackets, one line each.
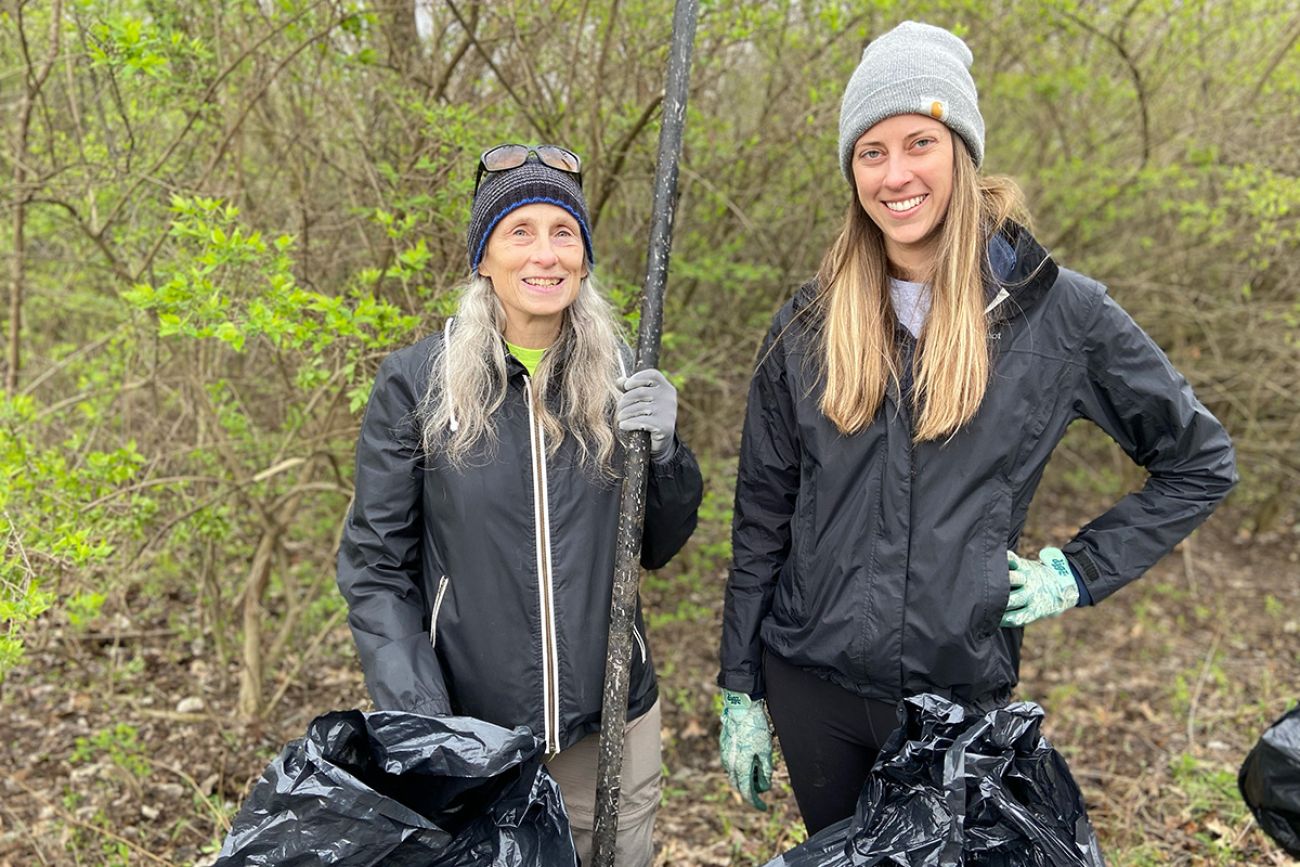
[906, 406]
[437, 604]
[639, 643]
[545, 589]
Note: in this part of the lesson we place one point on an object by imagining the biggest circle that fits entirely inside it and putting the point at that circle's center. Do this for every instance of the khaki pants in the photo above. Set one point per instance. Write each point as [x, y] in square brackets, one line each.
[575, 770]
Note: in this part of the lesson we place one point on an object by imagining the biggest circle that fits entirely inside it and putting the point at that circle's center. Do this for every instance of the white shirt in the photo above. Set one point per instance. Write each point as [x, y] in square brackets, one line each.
[911, 303]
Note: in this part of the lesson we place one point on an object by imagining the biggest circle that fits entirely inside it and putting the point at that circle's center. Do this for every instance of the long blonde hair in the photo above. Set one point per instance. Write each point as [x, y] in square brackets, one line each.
[467, 379]
[858, 357]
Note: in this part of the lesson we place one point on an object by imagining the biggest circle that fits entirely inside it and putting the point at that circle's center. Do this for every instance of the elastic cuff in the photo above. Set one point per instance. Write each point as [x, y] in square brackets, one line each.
[1085, 598]
[1084, 571]
[668, 454]
[667, 466]
[750, 686]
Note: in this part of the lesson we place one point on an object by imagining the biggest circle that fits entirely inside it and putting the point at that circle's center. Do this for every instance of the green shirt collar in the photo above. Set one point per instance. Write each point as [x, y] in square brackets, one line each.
[529, 358]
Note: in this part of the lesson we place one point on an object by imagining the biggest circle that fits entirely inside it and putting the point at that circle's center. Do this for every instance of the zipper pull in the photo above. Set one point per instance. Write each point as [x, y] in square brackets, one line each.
[437, 605]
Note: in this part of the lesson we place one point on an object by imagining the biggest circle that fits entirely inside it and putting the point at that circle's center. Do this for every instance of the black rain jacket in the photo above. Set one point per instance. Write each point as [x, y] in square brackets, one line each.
[881, 564]
[486, 592]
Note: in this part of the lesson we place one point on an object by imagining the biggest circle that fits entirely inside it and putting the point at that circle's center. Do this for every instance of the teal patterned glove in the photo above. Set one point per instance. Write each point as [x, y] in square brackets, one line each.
[746, 745]
[1039, 588]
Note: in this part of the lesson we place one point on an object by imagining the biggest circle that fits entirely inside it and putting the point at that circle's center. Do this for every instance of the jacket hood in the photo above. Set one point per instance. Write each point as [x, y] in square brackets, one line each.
[1025, 277]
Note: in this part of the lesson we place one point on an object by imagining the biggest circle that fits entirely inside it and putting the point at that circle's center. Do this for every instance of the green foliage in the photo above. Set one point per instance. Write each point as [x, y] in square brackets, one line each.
[57, 515]
[695, 579]
[1210, 788]
[135, 46]
[227, 283]
[233, 210]
[84, 608]
[120, 751]
[120, 745]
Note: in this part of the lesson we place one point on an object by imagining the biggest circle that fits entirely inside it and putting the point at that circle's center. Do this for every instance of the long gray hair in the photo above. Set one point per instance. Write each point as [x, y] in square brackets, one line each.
[467, 379]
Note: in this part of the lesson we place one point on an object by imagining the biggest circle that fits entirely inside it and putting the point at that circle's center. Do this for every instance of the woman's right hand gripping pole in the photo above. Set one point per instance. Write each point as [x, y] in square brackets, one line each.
[746, 745]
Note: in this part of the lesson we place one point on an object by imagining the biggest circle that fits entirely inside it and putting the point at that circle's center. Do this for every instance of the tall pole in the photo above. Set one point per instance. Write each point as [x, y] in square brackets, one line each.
[613, 717]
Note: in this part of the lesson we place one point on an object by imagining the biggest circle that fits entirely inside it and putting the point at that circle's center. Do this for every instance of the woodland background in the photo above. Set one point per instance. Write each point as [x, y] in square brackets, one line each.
[216, 216]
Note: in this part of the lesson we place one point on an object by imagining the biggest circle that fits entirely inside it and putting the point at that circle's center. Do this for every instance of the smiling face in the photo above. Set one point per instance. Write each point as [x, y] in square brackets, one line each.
[535, 260]
[902, 168]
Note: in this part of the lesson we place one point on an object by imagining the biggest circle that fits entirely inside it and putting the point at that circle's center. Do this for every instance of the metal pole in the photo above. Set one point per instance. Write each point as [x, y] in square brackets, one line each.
[613, 718]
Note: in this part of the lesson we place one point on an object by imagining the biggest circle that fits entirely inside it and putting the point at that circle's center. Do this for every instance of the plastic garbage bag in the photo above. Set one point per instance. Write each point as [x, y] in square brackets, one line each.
[956, 788]
[1270, 781]
[402, 789]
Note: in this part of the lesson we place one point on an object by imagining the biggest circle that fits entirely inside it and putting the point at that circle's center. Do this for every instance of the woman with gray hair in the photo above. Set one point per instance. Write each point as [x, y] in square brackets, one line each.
[478, 555]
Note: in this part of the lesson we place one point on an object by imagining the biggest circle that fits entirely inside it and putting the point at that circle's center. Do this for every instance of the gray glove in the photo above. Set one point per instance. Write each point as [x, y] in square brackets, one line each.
[649, 403]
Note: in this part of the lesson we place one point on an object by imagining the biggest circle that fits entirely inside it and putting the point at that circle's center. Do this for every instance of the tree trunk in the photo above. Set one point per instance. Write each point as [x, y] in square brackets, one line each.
[33, 81]
[403, 36]
[259, 576]
[250, 676]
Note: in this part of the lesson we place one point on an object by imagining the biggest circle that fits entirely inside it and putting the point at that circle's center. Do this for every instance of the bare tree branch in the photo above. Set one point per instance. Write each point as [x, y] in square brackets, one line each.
[34, 80]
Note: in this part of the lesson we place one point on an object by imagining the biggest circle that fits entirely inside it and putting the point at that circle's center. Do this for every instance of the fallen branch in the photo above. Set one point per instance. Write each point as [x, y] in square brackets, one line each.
[222, 821]
[1200, 685]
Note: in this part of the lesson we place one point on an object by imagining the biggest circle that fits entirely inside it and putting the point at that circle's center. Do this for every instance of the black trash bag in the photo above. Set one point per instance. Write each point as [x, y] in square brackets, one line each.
[1270, 781]
[402, 789]
[955, 788]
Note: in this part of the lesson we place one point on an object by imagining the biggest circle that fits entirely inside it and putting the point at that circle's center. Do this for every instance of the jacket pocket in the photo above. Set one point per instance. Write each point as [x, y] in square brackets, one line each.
[803, 531]
[443, 583]
[996, 578]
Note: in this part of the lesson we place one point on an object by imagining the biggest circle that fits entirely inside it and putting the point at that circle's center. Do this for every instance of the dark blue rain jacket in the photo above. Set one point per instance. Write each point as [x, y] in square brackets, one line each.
[486, 591]
[881, 564]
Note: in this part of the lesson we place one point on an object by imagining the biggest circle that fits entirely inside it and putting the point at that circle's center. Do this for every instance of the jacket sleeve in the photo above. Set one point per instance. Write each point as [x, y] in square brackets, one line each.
[767, 484]
[1132, 392]
[674, 490]
[379, 555]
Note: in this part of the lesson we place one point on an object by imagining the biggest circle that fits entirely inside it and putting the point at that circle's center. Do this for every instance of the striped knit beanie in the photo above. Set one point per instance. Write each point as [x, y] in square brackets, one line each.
[913, 69]
[530, 184]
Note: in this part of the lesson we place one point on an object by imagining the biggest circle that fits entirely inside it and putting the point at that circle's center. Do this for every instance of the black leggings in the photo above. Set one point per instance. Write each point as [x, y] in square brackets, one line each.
[829, 737]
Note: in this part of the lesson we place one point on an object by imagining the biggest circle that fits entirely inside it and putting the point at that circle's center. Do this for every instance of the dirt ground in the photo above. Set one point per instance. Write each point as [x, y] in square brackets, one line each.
[120, 745]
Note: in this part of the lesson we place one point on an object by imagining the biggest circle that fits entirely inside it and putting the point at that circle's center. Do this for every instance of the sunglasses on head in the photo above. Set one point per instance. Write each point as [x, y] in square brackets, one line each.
[511, 156]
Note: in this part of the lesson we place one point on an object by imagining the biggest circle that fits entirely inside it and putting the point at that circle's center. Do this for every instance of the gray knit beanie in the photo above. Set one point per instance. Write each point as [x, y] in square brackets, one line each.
[530, 184]
[913, 69]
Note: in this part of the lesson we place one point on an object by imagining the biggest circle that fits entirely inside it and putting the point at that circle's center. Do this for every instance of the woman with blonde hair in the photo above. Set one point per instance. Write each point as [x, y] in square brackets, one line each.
[478, 556]
[902, 412]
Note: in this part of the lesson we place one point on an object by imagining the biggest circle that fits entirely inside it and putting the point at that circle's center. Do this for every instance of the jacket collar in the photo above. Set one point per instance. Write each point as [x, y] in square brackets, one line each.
[1024, 272]
[1021, 273]
[514, 367]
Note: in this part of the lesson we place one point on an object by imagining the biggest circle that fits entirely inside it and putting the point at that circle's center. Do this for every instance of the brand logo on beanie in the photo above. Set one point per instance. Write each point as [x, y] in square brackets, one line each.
[938, 109]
